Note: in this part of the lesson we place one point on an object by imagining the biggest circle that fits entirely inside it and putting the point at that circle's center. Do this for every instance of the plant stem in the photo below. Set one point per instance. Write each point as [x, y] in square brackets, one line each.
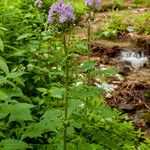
[89, 50]
[88, 43]
[89, 33]
[67, 89]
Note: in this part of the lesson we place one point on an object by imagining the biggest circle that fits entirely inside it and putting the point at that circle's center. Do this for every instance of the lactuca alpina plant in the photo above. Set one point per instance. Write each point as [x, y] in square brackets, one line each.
[92, 4]
[38, 3]
[61, 13]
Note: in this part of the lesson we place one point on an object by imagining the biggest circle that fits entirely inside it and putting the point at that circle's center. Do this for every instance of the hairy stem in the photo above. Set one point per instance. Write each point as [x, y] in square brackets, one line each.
[89, 33]
[88, 43]
[66, 93]
[89, 50]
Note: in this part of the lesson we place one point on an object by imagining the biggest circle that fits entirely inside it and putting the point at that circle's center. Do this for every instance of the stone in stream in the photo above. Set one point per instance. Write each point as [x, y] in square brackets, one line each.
[146, 96]
[137, 60]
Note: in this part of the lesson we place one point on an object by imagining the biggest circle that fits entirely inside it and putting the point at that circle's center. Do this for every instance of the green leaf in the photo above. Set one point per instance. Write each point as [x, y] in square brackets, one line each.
[5, 81]
[3, 65]
[14, 92]
[33, 131]
[3, 111]
[14, 75]
[2, 134]
[9, 144]
[51, 120]
[106, 113]
[1, 45]
[74, 104]
[3, 95]
[3, 114]
[24, 36]
[88, 65]
[43, 90]
[4, 29]
[51, 115]
[57, 92]
[110, 71]
[17, 111]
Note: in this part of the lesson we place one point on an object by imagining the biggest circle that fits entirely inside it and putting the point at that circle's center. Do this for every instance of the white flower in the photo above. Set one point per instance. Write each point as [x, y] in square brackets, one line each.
[78, 83]
[106, 87]
[29, 66]
[118, 76]
[108, 95]
[81, 76]
[81, 105]
[102, 120]
[45, 55]
[109, 119]
[53, 68]
[22, 68]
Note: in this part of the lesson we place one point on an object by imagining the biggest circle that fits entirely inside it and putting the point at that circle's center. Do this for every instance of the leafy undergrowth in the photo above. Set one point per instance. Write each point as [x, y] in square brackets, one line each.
[125, 22]
[32, 90]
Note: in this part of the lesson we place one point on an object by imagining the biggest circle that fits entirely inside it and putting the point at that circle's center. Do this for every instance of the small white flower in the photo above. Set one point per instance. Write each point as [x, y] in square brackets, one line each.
[108, 95]
[130, 29]
[81, 76]
[15, 69]
[78, 83]
[126, 118]
[29, 66]
[107, 87]
[45, 55]
[102, 120]
[109, 119]
[22, 68]
[81, 65]
[97, 79]
[81, 105]
[53, 68]
[118, 76]
[98, 85]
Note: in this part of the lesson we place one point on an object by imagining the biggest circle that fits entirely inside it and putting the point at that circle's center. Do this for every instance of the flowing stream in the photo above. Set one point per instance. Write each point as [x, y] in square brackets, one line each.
[136, 58]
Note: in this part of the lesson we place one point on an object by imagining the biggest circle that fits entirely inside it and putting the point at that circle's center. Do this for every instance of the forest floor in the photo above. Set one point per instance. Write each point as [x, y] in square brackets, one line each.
[132, 80]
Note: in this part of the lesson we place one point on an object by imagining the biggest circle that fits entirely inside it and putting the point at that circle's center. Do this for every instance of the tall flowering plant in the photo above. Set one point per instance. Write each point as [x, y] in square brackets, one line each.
[63, 13]
[91, 5]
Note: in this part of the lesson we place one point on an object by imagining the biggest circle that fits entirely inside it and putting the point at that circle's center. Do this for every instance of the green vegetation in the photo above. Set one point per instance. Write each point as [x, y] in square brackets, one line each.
[142, 2]
[114, 26]
[32, 85]
[141, 24]
[119, 23]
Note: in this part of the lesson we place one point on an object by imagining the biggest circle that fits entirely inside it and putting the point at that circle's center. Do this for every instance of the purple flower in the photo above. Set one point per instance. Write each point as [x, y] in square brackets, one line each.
[92, 3]
[61, 12]
[38, 3]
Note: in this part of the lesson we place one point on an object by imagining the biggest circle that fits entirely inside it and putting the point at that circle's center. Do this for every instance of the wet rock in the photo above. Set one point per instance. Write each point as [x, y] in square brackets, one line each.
[126, 107]
[146, 96]
[141, 77]
[143, 115]
[102, 51]
[124, 70]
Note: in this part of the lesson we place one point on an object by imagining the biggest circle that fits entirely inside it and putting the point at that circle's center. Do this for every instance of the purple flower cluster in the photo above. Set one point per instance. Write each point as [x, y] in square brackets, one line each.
[38, 3]
[92, 3]
[61, 12]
